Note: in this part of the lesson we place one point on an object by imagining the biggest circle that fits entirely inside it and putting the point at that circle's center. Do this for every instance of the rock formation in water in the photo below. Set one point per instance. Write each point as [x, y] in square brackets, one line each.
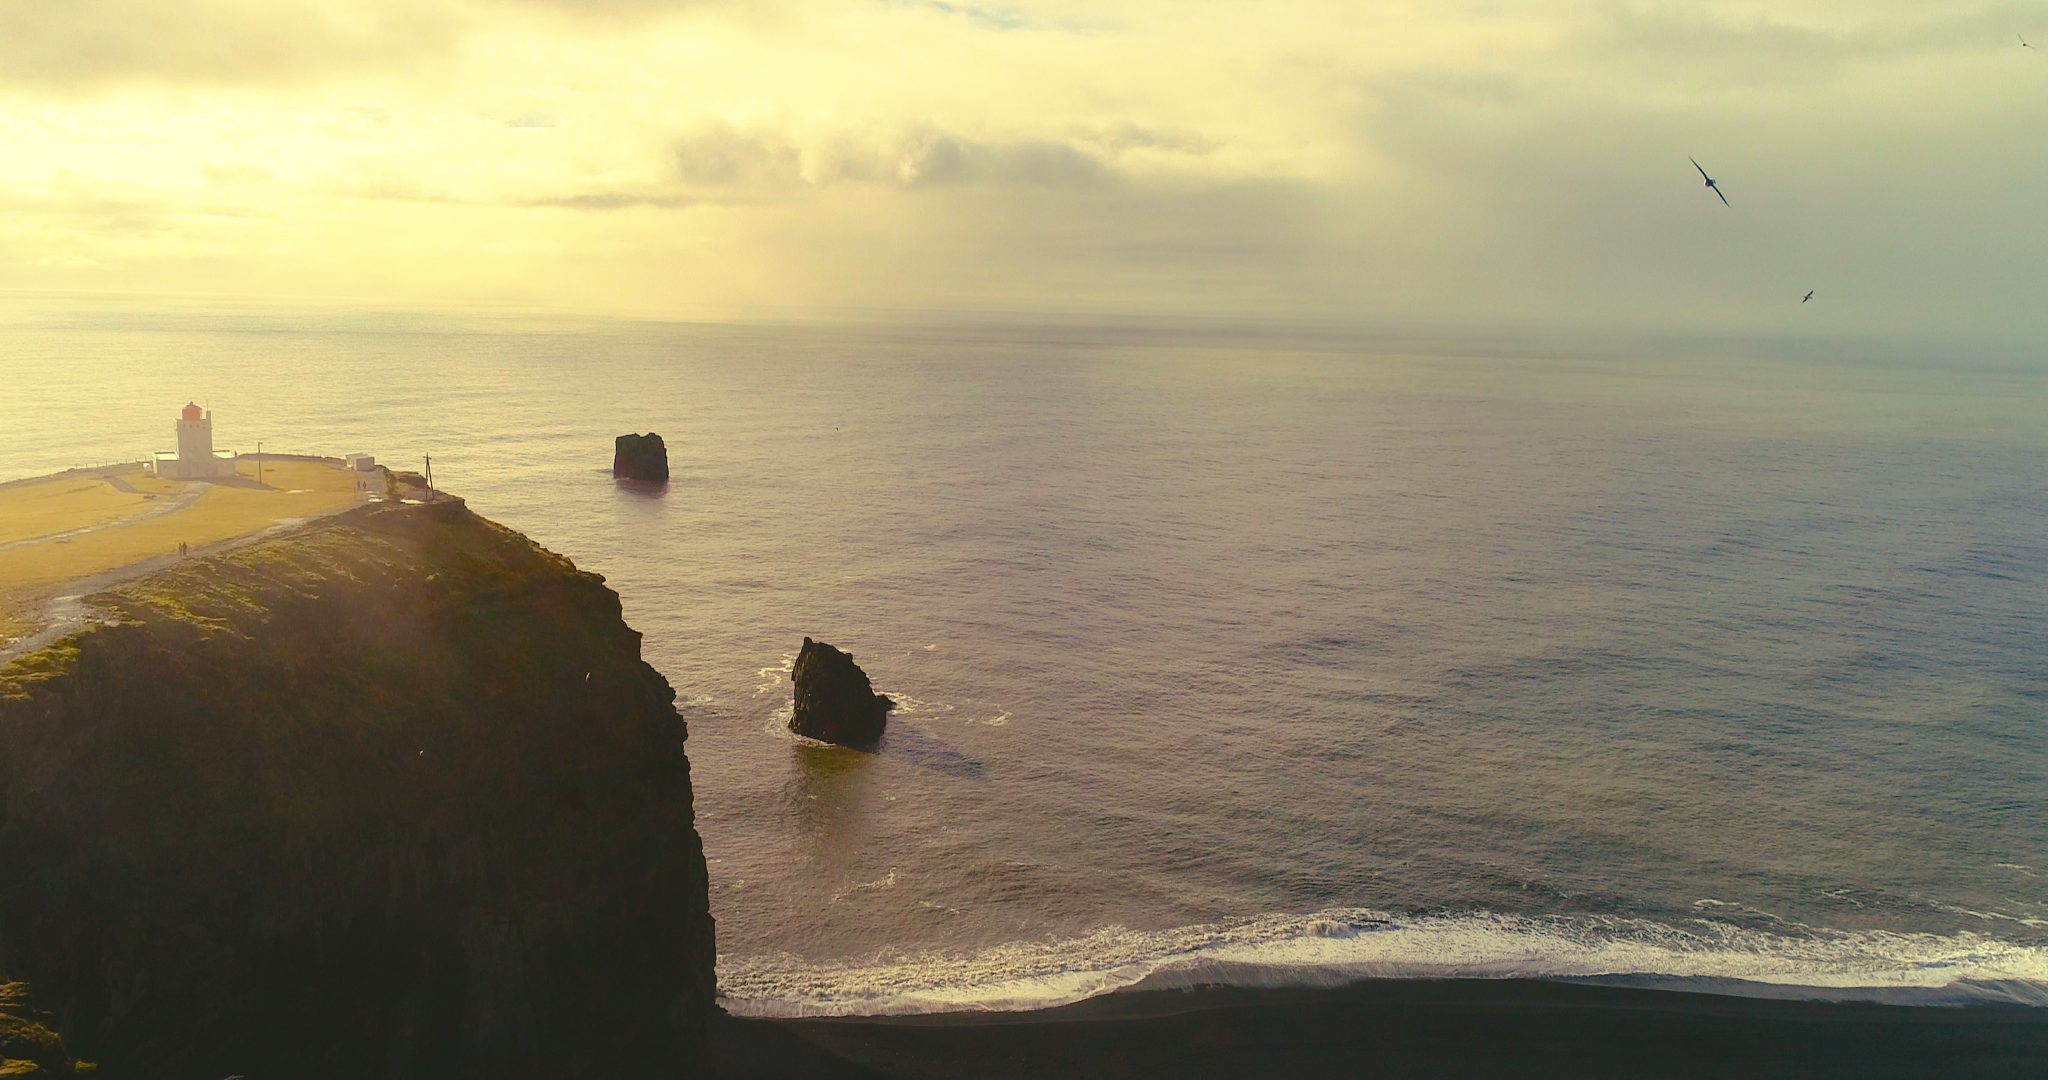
[390, 796]
[640, 457]
[835, 702]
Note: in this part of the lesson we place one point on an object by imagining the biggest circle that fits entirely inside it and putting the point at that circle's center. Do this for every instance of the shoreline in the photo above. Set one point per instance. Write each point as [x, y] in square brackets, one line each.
[1433, 1028]
[1334, 948]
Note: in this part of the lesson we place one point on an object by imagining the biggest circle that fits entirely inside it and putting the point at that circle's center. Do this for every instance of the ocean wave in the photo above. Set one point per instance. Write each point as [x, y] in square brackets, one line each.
[1341, 946]
[775, 677]
[907, 705]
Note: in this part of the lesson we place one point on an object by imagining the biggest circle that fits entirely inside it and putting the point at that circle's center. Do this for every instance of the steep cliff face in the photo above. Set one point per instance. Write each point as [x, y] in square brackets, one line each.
[392, 796]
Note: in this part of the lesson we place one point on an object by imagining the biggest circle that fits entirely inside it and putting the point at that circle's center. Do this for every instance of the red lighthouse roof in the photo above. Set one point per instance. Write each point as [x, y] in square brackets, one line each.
[192, 411]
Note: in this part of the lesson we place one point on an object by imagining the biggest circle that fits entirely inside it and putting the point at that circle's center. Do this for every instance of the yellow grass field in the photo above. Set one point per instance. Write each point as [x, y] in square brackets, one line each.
[74, 501]
[33, 571]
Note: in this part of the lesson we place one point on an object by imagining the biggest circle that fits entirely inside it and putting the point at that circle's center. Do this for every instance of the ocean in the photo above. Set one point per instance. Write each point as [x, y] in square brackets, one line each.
[1246, 655]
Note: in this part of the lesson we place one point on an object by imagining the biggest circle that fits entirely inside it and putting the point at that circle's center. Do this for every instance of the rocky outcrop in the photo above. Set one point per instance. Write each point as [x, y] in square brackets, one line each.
[391, 796]
[640, 457]
[835, 702]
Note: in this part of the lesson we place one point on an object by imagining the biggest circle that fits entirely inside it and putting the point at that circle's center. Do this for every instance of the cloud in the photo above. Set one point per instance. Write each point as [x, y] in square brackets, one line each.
[1874, 162]
[78, 221]
[1123, 135]
[611, 200]
[1759, 42]
[82, 196]
[719, 155]
[91, 45]
[610, 9]
[233, 173]
[1318, 154]
[985, 17]
[724, 156]
[86, 44]
[1118, 249]
[947, 160]
[1663, 43]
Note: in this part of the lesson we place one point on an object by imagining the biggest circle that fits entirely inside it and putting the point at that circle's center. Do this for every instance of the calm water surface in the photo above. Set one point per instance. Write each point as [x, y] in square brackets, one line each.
[1699, 662]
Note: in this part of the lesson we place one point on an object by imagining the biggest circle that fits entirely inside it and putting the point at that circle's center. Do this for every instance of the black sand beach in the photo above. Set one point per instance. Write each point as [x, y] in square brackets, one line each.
[1464, 1028]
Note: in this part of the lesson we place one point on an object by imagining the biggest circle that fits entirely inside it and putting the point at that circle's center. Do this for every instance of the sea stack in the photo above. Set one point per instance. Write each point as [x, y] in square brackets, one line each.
[835, 703]
[640, 457]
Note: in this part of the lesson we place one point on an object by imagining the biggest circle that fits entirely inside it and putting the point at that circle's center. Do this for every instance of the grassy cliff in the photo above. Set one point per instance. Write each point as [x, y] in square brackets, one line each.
[390, 796]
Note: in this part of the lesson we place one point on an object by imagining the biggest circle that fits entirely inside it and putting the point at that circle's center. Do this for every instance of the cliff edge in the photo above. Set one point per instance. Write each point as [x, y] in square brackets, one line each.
[392, 795]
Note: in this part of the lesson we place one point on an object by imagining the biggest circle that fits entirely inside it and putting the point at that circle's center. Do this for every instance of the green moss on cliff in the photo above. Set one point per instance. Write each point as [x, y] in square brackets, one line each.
[41, 665]
[27, 1046]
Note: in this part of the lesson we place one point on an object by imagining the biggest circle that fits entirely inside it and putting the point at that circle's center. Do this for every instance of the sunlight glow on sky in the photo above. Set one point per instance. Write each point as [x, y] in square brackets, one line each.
[1491, 163]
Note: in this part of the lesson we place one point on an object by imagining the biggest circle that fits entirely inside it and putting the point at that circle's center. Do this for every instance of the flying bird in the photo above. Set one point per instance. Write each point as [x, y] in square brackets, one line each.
[1710, 181]
[1808, 296]
[2023, 40]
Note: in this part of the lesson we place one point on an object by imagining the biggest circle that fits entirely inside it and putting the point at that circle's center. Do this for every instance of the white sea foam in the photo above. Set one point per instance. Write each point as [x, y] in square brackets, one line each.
[907, 705]
[774, 677]
[777, 727]
[867, 886]
[1335, 947]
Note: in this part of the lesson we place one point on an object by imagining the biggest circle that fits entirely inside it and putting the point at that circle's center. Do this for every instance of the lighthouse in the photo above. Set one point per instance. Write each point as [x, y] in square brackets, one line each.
[195, 459]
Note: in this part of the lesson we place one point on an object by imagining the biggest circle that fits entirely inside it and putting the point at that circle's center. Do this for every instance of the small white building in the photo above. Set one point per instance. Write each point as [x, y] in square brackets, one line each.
[360, 462]
[196, 458]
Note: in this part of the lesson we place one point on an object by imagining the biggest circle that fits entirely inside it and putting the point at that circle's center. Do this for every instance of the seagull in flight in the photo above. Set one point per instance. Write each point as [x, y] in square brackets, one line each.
[1808, 296]
[1710, 181]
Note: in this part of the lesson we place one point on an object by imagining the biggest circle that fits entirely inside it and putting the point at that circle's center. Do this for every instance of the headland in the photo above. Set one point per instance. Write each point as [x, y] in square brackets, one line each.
[386, 792]
[85, 529]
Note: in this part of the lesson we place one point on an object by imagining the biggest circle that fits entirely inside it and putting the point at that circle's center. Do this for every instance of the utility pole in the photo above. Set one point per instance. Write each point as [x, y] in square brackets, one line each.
[430, 478]
[259, 463]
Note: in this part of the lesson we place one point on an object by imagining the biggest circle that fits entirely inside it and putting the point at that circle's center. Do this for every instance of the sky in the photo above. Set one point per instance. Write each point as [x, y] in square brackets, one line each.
[1484, 164]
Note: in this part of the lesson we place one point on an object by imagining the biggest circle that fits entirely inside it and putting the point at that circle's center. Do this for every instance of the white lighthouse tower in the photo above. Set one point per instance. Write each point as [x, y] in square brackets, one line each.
[195, 459]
